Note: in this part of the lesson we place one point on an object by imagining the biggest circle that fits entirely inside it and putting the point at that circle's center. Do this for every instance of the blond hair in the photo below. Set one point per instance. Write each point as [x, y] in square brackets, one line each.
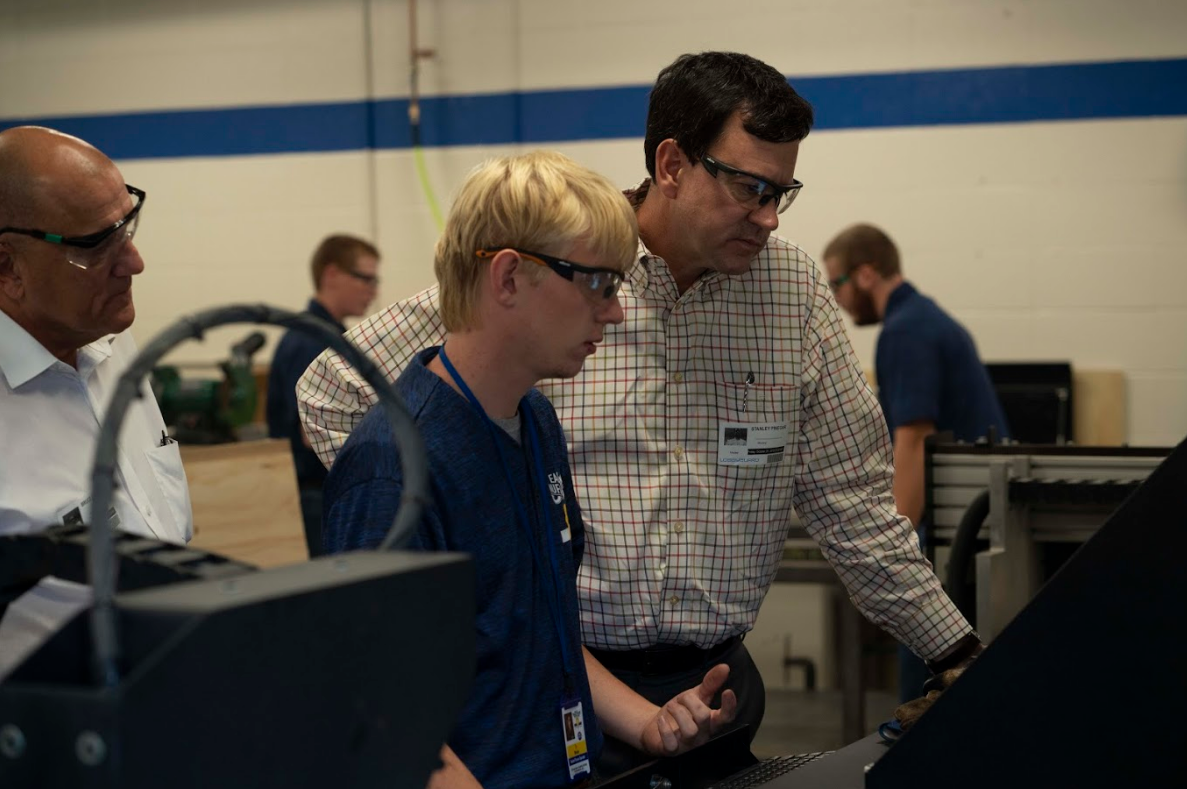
[540, 201]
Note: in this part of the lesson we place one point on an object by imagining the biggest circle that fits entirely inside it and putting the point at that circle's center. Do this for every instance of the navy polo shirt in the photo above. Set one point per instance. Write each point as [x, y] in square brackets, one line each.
[294, 354]
[509, 732]
[928, 370]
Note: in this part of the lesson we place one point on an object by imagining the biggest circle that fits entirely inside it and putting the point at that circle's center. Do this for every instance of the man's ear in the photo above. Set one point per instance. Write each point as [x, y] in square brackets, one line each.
[670, 166]
[500, 276]
[331, 275]
[11, 283]
[864, 276]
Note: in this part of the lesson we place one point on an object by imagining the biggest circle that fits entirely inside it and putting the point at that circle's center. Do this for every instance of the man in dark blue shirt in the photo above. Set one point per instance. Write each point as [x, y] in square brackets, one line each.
[345, 279]
[529, 266]
[930, 378]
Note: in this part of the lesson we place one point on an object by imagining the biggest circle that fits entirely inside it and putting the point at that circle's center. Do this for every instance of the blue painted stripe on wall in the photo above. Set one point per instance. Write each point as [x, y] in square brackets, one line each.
[1013, 94]
[1081, 91]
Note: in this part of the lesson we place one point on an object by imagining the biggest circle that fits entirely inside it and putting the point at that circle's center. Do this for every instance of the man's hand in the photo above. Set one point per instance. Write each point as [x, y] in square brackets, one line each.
[908, 713]
[687, 720]
[453, 773]
[945, 670]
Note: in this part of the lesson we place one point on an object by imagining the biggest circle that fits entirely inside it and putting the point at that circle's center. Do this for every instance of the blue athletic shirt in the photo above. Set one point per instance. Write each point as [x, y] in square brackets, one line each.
[928, 370]
[509, 733]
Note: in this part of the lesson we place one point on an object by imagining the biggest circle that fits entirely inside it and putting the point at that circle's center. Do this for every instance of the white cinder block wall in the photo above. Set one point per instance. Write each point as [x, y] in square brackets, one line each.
[1049, 240]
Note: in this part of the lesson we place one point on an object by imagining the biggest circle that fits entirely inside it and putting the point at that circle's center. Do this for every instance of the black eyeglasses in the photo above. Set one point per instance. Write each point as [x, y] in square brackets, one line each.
[366, 279]
[750, 189]
[835, 284]
[599, 284]
[92, 249]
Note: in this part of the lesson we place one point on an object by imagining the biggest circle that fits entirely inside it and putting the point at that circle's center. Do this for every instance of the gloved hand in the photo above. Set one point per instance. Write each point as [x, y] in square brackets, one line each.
[908, 713]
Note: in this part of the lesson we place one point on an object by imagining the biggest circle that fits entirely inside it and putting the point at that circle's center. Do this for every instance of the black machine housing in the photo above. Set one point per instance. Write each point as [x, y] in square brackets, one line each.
[347, 671]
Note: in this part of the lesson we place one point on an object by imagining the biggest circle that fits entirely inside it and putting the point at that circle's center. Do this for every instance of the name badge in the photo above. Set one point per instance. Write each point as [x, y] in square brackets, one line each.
[576, 750]
[750, 443]
[81, 513]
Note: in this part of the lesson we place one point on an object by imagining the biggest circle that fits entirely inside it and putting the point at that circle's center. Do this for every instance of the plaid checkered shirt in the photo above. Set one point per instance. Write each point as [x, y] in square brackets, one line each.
[681, 549]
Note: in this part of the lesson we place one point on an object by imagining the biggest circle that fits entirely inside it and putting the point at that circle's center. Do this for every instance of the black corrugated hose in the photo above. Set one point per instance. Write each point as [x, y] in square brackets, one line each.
[959, 577]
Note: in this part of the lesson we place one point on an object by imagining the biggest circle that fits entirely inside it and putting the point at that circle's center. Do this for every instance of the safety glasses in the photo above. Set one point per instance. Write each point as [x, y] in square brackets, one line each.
[599, 284]
[88, 251]
[752, 190]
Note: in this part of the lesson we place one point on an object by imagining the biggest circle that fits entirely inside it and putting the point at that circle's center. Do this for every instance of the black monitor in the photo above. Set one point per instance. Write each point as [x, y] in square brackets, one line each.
[1036, 398]
[347, 671]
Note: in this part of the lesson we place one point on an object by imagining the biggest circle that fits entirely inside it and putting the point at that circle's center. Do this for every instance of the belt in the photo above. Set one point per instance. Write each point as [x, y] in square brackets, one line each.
[663, 659]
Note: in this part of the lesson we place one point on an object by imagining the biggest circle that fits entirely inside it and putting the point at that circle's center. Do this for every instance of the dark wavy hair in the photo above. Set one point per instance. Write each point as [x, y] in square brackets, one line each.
[695, 96]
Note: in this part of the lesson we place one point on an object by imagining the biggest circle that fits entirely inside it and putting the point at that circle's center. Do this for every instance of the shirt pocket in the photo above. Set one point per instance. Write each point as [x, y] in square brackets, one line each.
[754, 504]
[753, 405]
[169, 474]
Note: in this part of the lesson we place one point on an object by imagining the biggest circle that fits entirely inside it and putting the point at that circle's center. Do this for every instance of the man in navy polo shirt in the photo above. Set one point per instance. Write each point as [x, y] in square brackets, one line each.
[930, 378]
[345, 280]
[529, 267]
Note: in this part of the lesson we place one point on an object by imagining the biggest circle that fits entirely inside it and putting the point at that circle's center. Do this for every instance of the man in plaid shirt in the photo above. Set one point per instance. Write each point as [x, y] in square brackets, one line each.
[729, 397]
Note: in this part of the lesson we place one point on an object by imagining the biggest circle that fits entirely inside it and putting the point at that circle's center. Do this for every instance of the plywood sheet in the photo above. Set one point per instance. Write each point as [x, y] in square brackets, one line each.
[245, 501]
[1099, 408]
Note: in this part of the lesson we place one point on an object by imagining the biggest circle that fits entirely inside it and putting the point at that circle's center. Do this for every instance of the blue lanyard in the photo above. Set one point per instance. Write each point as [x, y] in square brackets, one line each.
[551, 595]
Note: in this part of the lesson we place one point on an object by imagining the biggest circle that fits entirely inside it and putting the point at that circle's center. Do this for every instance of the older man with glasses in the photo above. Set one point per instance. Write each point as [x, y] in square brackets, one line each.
[67, 259]
[728, 328]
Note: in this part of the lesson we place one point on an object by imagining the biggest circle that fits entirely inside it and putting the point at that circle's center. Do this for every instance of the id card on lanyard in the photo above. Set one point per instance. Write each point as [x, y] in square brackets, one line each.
[576, 749]
[572, 717]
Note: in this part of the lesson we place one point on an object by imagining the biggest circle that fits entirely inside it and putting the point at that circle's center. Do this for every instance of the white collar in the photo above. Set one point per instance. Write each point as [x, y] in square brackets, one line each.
[22, 358]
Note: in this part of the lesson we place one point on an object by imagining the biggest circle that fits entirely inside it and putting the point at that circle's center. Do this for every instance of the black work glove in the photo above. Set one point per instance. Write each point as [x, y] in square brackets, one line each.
[908, 713]
[947, 670]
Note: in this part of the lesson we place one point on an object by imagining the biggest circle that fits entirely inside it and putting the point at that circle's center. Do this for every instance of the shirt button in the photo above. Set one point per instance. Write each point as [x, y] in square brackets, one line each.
[678, 527]
[673, 599]
[677, 377]
[678, 452]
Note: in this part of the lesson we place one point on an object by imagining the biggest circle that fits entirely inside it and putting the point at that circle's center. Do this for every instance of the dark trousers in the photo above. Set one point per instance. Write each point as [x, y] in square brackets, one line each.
[311, 501]
[744, 680]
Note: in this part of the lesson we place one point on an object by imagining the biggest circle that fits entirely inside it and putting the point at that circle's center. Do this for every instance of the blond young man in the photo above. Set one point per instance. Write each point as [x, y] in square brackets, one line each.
[529, 267]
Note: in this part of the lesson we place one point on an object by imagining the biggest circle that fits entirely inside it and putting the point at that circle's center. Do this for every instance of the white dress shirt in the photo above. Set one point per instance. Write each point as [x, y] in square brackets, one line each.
[681, 548]
[50, 415]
